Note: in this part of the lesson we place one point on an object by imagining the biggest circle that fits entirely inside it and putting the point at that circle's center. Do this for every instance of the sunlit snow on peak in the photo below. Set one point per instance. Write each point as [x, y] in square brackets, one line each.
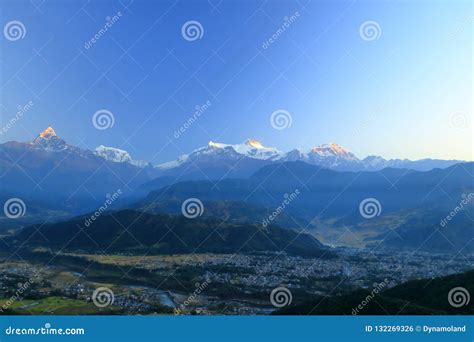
[48, 132]
[254, 143]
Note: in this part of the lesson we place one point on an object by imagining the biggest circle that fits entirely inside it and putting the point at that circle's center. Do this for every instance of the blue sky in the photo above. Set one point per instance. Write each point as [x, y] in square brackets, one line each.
[405, 94]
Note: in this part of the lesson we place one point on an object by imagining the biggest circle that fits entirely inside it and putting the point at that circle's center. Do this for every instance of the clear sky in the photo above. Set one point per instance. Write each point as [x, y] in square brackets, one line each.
[405, 94]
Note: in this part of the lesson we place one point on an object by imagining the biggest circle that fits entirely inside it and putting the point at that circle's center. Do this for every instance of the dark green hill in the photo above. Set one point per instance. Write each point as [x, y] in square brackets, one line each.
[237, 212]
[130, 231]
[433, 293]
[347, 304]
[417, 297]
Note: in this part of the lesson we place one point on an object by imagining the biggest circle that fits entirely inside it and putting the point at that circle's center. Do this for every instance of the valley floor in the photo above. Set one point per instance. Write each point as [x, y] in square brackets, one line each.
[203, 283]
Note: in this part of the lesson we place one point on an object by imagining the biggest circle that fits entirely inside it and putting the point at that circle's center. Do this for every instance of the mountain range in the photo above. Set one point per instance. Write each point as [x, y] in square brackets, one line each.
[329, 156]
[71, 176]
[244, 184]
[50, 172]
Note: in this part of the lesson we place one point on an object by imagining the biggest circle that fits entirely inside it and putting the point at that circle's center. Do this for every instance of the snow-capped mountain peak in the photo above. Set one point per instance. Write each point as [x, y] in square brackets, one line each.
[332, 149]
[117, 155]
[112, 154]
[213, 144]
[250, 148]
[49, 141]
[254, 143]
[328, 155]
[48, 133]
[332, 156]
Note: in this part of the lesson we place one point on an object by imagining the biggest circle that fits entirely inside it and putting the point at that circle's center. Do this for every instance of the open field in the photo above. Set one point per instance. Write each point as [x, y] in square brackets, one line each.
[53, 306]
